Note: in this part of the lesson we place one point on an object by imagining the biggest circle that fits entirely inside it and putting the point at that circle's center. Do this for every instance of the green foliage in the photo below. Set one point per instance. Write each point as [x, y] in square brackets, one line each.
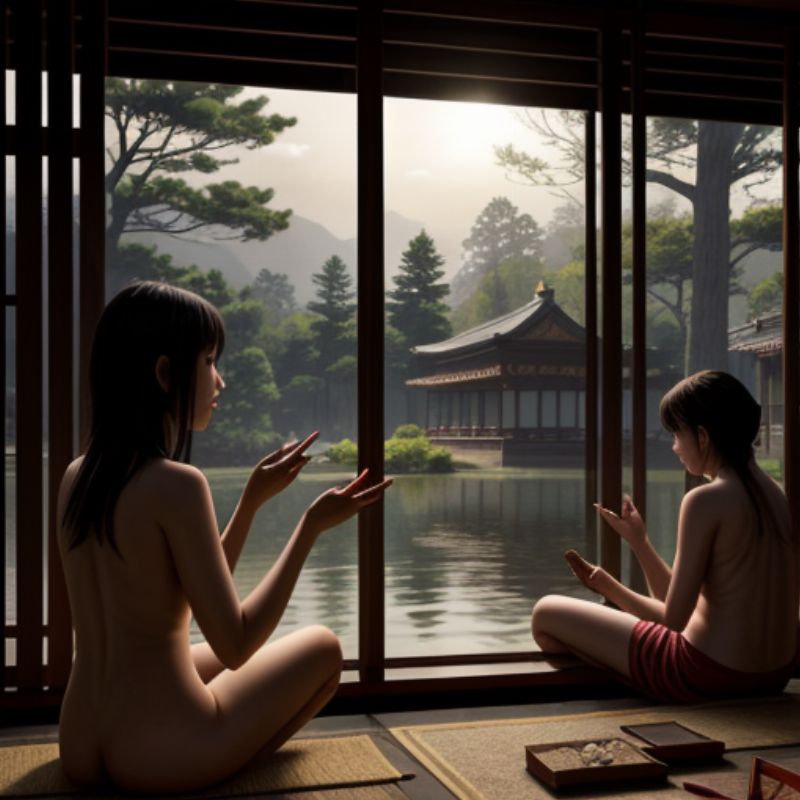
[402, 453]
[760, 225]
[766, 297]
[344, 452]
[499, 234]
[333, 329]
[415, 307]
[518, 278]
[243, 322]
[408, 431]
[241, 431]
[165, 128]
[415, 455]
[717, 155]
[210, 285]
[569, 286]
[276, 293]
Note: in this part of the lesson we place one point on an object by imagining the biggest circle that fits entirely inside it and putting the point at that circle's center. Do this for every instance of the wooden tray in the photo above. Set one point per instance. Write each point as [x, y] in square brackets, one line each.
[564, 764]
[674, 743]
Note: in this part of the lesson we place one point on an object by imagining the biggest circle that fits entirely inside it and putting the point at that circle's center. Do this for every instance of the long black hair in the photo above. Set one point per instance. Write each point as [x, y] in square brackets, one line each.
[730, 415]
[134, 419]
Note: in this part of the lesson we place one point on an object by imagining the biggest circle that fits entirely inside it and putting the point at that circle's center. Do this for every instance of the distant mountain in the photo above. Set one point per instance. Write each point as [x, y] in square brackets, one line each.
[206, 254]
[299, 252]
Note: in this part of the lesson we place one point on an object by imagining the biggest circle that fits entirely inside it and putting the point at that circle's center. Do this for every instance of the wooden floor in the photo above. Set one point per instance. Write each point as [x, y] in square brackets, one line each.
[423, 786]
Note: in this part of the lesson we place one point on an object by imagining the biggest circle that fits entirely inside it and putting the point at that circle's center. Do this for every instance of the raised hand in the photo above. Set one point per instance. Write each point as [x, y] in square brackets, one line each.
[276, 471]
[591, 576]
[629, 524]
[336, 505]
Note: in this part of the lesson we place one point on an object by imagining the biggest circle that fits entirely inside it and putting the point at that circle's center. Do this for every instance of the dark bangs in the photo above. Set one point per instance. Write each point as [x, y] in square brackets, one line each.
[673, 409]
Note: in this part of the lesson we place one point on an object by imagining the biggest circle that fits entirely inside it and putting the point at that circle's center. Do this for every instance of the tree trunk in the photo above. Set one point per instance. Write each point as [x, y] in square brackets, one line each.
[708, 334]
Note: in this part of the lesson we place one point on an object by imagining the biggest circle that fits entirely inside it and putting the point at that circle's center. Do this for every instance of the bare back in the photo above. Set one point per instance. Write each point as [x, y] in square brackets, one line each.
[143, 707]
[747, 613]
[133, 660]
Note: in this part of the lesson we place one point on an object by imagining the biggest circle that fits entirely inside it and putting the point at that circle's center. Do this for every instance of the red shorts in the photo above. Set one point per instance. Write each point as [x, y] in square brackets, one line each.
[665, 666]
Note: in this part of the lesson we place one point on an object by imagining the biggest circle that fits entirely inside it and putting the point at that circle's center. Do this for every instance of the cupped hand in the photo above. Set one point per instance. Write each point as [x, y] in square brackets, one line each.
[276, 471]
[629, 524]
[336, 505]
[591, 576]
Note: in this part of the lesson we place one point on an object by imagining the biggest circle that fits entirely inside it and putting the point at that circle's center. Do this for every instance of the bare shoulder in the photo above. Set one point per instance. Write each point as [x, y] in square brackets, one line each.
[172, 480]
[174, 472]
[705, 505]
[177, 494]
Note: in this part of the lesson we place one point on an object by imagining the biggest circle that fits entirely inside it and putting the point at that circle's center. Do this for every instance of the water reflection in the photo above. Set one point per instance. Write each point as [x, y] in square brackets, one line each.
[466, 554]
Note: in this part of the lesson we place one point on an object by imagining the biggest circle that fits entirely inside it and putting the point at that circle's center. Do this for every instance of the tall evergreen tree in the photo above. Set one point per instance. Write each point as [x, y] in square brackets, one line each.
[334, 338]
[334, 327]
[499, 233]
[168, 128]
[416, 308]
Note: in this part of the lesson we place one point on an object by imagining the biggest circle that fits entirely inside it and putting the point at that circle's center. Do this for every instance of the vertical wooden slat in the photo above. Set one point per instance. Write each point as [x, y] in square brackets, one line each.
[611, 205]
[29, 343]
[3, 365]
[639, 360]
[371, 628]
[791, 264]
[60, 276]
[92, 67]
[590, 297]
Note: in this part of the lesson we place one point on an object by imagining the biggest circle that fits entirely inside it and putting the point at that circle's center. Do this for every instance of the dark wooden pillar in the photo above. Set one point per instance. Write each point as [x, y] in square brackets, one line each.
[60, 69]
[611, 334]
[592, 349]
[92, 66]
[371, 633]
[30, 341]
[639, 355]
[791, 264]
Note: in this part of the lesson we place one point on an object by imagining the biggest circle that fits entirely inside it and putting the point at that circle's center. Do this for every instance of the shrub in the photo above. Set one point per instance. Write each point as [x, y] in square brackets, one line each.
[402, 454]
[344, 452]
[408, 431]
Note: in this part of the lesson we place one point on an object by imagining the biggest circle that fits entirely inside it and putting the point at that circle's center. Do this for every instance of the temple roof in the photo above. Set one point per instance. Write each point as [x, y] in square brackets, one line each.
[762, 335]
[527, 319]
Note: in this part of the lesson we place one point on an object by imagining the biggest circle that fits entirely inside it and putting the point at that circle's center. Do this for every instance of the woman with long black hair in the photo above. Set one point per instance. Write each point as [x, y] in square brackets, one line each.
[723, 619]
[142, 554]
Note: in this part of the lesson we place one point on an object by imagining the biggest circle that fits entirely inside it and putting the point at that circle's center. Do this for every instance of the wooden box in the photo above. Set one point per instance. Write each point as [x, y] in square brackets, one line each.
[674, 743]
[591, 761]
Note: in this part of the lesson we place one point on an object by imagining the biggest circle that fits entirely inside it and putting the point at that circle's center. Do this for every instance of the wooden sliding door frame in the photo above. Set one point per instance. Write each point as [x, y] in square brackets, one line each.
[375, 61]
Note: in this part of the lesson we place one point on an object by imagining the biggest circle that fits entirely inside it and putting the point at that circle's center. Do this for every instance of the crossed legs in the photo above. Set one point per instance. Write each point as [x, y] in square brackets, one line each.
[594, 632]
[241, 712]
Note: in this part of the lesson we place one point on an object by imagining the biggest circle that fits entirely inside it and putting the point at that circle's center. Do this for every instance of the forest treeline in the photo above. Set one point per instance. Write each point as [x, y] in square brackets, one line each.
[291, 369]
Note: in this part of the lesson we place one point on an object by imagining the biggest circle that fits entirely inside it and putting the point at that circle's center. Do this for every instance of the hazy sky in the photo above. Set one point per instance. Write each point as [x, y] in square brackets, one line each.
[439, 163]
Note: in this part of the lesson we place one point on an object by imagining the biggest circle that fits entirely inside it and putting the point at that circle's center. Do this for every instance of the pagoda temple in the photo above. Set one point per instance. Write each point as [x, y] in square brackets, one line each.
[497, 392]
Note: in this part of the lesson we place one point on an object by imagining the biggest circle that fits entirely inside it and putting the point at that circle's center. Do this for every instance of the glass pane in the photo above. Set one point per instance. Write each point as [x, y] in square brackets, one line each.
[509, 409]
[10, 545]
[478, 519]
[11, 225]
[549, 409]
[275, 251]
[567, 411]
[713, 304]
[491, 409]
[528, 409]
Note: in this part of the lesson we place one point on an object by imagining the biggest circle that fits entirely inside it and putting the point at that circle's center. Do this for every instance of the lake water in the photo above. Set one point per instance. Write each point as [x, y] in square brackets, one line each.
[466, 554]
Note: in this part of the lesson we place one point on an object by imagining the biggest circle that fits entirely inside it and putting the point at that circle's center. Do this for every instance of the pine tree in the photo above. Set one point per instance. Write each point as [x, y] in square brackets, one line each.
[334, 339]
[333, 329]
[416, 308]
